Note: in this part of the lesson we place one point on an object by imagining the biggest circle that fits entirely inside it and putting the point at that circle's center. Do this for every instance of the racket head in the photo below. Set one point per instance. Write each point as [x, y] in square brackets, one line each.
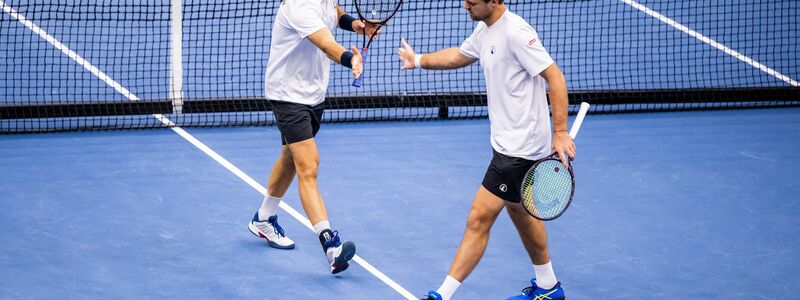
[377, 11]
[547, 189]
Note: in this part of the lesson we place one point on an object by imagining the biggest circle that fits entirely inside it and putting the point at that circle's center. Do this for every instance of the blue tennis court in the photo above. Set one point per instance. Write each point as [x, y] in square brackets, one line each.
[699, 204]
[683, 188]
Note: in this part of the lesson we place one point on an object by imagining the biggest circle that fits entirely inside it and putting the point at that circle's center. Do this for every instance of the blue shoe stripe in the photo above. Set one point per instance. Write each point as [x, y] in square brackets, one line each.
[255, 218]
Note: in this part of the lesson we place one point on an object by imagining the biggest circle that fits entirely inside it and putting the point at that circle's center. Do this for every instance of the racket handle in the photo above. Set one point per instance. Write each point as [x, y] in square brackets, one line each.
[357, 82]
[576, 125]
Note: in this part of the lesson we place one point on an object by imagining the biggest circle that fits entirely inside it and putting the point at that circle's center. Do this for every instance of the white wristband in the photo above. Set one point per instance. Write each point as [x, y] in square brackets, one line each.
[418, 61]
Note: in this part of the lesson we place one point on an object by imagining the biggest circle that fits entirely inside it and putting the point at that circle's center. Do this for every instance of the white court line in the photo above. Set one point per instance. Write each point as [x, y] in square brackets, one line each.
[191, 139]
[261, 189]
[711, 42]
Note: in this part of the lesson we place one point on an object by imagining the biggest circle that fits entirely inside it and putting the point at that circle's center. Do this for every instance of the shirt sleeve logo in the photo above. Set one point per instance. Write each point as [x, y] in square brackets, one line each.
[533, 41]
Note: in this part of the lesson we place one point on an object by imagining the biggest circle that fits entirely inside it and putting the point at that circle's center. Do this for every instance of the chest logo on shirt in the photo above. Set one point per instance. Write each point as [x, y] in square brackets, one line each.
[492, 49]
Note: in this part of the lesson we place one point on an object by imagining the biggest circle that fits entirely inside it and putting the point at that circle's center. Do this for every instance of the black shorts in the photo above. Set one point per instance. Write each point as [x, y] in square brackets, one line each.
[297, 122]
[504, 176]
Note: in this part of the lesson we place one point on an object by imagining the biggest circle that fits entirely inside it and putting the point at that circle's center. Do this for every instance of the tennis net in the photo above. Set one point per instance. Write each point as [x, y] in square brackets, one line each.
[118, 64]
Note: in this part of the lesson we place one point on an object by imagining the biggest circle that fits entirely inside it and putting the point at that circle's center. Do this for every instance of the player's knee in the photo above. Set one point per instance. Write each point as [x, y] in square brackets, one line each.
[478, 222]
[307, 169]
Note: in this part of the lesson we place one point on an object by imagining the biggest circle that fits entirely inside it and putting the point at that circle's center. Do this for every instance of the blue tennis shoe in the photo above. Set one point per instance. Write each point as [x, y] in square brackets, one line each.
[432, 295]
[534, 292]
[339, 253]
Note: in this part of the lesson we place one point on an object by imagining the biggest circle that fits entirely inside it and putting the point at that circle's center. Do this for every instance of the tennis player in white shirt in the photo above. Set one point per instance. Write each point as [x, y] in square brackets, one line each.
[296, 80]
[518, 70]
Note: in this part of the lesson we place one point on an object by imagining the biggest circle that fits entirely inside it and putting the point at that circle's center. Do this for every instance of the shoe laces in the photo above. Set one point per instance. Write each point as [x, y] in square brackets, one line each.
[277, 227]
[528, 290]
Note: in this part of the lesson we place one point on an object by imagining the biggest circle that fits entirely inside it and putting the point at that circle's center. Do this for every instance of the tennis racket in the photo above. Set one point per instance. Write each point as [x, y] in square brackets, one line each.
[548, 187]
[377, 12]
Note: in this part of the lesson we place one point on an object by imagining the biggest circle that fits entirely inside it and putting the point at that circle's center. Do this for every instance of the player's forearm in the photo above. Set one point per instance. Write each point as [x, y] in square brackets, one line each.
[445, 59]
[334, 52]
[559, 103]
[558, 97]
[323, 39]
[339, 12]
[345, 21]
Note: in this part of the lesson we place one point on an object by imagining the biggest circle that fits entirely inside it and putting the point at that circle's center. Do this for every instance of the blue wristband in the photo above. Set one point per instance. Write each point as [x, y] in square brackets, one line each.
[346, 22]
[347, 59]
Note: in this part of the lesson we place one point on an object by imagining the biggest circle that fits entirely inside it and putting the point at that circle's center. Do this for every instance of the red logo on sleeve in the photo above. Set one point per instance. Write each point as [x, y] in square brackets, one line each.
[533, 41]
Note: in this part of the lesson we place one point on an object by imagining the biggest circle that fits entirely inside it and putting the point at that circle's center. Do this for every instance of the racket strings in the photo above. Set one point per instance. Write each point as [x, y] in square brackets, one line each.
[377, 11]
[550, 188]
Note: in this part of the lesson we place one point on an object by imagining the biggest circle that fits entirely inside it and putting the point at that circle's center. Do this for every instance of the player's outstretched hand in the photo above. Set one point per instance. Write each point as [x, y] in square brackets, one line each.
[407, 55]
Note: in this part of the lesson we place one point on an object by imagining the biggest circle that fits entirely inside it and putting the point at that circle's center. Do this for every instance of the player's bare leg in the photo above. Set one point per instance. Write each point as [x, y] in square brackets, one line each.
[306, 163]
[265, 222]
[483, 213]
[533, 234]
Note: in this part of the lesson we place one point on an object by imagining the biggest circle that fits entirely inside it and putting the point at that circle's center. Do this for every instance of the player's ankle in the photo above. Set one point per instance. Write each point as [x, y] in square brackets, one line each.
[324, 237]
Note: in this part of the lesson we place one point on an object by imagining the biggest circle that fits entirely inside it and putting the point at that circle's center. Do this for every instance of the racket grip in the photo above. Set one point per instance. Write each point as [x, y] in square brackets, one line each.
[358, 81]
[576, 125]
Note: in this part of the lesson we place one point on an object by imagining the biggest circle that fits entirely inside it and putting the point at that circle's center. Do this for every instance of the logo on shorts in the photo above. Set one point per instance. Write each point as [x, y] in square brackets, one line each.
[503, 188]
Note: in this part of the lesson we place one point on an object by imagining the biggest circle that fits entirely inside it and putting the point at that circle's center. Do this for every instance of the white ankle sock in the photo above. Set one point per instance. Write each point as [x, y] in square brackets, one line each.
[322, 225]
[448, 288]
[545, 277]
[269, 207]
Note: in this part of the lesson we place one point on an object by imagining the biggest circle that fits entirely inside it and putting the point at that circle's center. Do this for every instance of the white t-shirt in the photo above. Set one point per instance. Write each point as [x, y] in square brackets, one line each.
[512, 56]
[298, 71]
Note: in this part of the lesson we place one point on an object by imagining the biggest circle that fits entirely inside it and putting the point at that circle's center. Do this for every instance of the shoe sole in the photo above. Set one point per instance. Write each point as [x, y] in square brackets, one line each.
[341, 263]
[272, 244]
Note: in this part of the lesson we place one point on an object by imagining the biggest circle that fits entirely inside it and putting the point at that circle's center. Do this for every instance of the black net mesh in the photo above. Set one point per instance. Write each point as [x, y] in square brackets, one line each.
[67, 65]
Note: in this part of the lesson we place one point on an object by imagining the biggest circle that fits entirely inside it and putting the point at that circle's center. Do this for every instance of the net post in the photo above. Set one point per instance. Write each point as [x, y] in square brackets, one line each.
[444, 111]
[176, 56]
